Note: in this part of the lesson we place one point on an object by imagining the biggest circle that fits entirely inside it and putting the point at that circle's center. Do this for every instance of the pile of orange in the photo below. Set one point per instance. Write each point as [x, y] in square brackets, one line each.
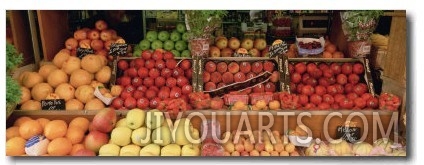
[64, 139]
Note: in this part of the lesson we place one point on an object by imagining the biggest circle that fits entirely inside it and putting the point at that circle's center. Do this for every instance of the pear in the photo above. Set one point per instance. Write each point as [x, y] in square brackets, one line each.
[135, 118]
[141, 136]
[154, 119]
[171, 150]
[121, 123]
[150, 150]
[121, 136]
[109, 150]
[182, 134]
[130, 150]
[162, 136]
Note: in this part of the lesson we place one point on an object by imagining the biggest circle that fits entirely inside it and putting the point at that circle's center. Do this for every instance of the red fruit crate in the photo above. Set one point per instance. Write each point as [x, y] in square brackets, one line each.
[230, 99]
[267, 97]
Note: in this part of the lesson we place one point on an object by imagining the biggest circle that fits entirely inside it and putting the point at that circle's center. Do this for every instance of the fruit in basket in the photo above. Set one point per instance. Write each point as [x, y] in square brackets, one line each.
[45, 70]
[233, 43]
[162, 136]
[247, 43]
[109, 149]
[104, 120]
[163, 35]
[259, 44]
[94, 140]
[254, 52]
[40, 91]
[214, 51]
[257, 67]
[239, 77]
[180, 45]
[121, 136]
[226, 52]
[30, 79]
[156, 44]
[221, 42]
[388, 101]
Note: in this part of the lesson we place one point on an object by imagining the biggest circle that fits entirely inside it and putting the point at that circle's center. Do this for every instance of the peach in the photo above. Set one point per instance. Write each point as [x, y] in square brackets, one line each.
[275, 77]
[279, 147]
[239, 77]
[210, 66]
[268, 66]
[216, 77]
[270, 87]
[71, 44]
[260, 147]
[274, 153]
[214, 51]
[235, 153]
[227, 52]
[254, 153]
[210, 86]
[80, 34]
[250, 75]
[265, 153]
[233, 67]
[227, 78]
[221, 67]
[257, 67]
[93, 34]
[245, 67]
[239, 147]
[221, 84]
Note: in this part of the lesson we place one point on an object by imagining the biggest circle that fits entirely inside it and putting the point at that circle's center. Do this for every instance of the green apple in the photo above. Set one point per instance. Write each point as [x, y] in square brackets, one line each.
[162, 136]
[180, 27]
[154, 119]
[185, 53]
[190, 150]
[180, 45]
[137, 53]
[150, 150]
[141, 136]
[144, 44]
[121, 136]
[171, 150]
[168, 45]
[184, 36]
[135, 118]
[121, 123]
[176, 53]
[157, 44]
[182, 133]
[152, 35]
[175, 36]
[130, 150]
[109, 150]
[163, 35]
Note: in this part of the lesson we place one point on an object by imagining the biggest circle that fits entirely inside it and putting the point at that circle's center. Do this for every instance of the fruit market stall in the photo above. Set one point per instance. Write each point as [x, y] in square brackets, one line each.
[97, 94]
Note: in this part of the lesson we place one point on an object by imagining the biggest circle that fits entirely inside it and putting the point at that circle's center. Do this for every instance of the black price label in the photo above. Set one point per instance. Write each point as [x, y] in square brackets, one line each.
[81, 52]
[117, 49]
[277, 49]
[368, 77]
[241, 55]
[350, 134]
[53, 104]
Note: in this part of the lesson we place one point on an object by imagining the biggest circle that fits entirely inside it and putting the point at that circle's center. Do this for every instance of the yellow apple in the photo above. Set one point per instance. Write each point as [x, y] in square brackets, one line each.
[141, 136]
[190, 150]
[135, 118]
[150, 150]
[154, 119]
[162, 136]
[171, 150]
[121, 136]
[182, 134]
[121, 123]
[109, 150]
[130, 150]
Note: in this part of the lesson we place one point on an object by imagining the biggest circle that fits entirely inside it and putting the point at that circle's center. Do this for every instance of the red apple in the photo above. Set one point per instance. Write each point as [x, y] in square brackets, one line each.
[168, 55]
[160, 81]
[185, 64]
[221, 67]
[149, 64]
[214, 51]
[275, 77]
[166, 72]
[227, 78]
[186, 89]
[142, 103]
[104, 120]
[300, 67]
[160, 64]
[347, 68]
[268, 66]
[177, 72]
[270, 87]
[210, 86]
[154, 102]
[93, 34]
[353, 79]
[239, 77]
[157, 55]
[143, 72]
[336, 68]
[122, 65]
[260, 88]
[137, 81]
[117, 103]
[80, 34]
[221, 42]
[210, 66]
[148, 81]
[101, 25]
[233, 67]
[341, 79]
[147, 54]
[358, 68]
[257, 67]
[206, 77]
[181, 81]
[233, 43]
[171, 82]
[95, 139]
[216, 77]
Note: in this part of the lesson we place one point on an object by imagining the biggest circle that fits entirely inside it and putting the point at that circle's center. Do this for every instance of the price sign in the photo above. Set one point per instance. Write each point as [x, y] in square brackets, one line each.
[53, 104]
[350, 134]
[81, 52]
[277, 48]
[117, 49]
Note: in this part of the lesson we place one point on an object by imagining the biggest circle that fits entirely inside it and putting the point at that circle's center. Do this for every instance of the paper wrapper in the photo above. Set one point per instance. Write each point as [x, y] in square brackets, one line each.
[104, 99]
[37, 145]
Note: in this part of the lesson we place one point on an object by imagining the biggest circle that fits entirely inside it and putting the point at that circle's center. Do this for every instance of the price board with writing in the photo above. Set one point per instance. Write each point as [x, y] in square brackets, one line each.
[117, 49]
[350, 134]
[277, 49]
[81, 52]
[53, 104]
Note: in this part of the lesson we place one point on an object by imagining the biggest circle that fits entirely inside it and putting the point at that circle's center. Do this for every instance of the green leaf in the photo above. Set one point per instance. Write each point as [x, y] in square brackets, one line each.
[13, 90]
[13, 58]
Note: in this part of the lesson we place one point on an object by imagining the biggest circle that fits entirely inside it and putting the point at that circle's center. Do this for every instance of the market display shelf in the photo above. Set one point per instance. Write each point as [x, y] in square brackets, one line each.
[240, 58]
[324, 59]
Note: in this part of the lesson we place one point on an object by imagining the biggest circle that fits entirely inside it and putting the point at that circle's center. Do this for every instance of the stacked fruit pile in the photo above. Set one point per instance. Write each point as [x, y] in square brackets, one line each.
[70, 78]
[152, 78]
[258, 144]
[99, 39]
[175, 42]
[44, 137]
[221, 73]
[330, 51]
[225, 47]
[151, 133]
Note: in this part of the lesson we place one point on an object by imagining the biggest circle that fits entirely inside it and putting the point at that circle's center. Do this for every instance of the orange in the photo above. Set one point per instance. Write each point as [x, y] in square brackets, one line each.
[21, 120]
[80, 122]
[239, 105]
[43, 121]
[261, 104]
[55, 129]
[75, 134]
[12, 132]
[76, 148]
[30, 128]
[255, 108]
[15, 146]
[59, 147]
[274, 105]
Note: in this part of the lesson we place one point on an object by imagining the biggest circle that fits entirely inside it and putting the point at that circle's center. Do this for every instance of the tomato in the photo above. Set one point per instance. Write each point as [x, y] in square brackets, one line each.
[366, 96]
[323, 66]
[360, 103]
[328, 73]
[311, 67]
[347, 68]
[312, 82]
[339, 88]
[316, 74]
[316, 99]
[328, 99]
[305, 77]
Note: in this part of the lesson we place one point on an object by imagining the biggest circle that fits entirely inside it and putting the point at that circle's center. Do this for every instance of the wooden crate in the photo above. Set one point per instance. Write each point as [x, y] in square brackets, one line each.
[374, 120]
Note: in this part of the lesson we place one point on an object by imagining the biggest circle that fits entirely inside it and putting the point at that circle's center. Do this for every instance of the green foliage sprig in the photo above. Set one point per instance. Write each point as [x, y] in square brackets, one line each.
[202, 23]
[13, 60]
[360, 24]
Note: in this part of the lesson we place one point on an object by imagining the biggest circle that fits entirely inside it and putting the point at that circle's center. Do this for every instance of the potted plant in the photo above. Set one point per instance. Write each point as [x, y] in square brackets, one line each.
[13, 89]
[358, 26]
[200, 26]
